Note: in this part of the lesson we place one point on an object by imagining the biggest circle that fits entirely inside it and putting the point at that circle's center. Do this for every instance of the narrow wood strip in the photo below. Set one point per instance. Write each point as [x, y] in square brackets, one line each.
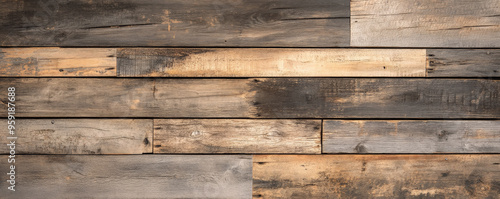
[290, 23]
[426, 23]
[376, 176]
[57, 62]
[237, 136]
[255, 98]
[463, 63]
[81, 136]
[399, 136]
[254, 62]
[129, 176]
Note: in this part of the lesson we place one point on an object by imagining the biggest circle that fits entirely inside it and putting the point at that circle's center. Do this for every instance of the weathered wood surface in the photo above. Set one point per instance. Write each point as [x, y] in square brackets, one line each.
[255, 98]
[175, 23]
[426, 23]
[130, 176]
[407, 136]
[81, 136]
[57, 62]
[376, 176]
[255, 62]
[237, 136]
[463, 62]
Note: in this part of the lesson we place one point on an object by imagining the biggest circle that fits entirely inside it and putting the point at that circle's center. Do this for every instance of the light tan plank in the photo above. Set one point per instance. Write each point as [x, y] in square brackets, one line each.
[407, 136]
[376, 176]
[237, 136]
[425, 23]
[129, 176]
[284, 62]
[81, 136]
[57, 62]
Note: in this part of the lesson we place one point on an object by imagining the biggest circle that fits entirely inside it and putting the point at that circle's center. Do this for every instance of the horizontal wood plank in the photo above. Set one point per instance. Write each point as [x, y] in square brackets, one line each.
[81, 136]
[426, 23]
[265, 62]
[463, 63]
[407, 136]
[57, 62]
[255, 98]
[291, 23]
[237, 136]
[376, 176]
[129, 176]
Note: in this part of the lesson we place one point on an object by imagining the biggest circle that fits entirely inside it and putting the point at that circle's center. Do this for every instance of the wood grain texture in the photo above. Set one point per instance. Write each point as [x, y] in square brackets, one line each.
[426, 23]
[57, 62]
[265, 62]
[81, 136]
[255, 98]
[463, 63]
[376, 176]
[237, 136]
[407, 136]
[291, 23]
[130, 176]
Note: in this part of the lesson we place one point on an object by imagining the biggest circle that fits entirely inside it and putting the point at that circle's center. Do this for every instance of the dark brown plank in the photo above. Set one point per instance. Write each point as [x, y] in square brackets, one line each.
[255, 98]
[81, 136]
[376, 176]
[463, 63]
[425, 23]
[175, 23]
[411, 136]
[270, 62]
[129, 176]
[237, 136]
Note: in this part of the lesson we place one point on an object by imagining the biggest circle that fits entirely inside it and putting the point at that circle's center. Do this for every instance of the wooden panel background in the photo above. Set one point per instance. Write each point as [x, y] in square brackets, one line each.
[254, 98]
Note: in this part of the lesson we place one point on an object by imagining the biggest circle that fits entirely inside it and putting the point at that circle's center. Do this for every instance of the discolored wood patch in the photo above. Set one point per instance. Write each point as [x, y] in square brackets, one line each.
[376, 176]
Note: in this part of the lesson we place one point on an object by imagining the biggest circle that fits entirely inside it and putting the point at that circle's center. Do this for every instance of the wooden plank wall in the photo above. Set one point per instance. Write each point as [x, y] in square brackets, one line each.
[250, 99]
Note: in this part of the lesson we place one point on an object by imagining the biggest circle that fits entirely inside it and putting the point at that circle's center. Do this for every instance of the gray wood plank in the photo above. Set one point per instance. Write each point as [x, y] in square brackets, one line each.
[175, 23]
[411, 136]
[130, 176]
[81, 136]
[425, 23]
[376, 176]
[463, 63]
[237, 136]
[255, 98]
[270, 62]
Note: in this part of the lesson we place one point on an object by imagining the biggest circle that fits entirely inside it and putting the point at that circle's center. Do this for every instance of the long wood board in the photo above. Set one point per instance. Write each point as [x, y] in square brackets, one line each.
[130, 176]
[411, 136]
[236, 136]
[80, 136]
[255, 98]
[425, 23]
[291, 23]
[376, 176]
[266, 62]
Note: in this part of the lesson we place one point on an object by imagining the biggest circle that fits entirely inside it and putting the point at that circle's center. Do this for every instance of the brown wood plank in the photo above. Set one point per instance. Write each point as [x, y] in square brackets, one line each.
[411, 136]
[255, 98]
[265, 62]
[426, 23]
[57, 62]
[291, 23]
[237, 136]
[81, 136]
[463, 63]
[376, 176]
[129, 176]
